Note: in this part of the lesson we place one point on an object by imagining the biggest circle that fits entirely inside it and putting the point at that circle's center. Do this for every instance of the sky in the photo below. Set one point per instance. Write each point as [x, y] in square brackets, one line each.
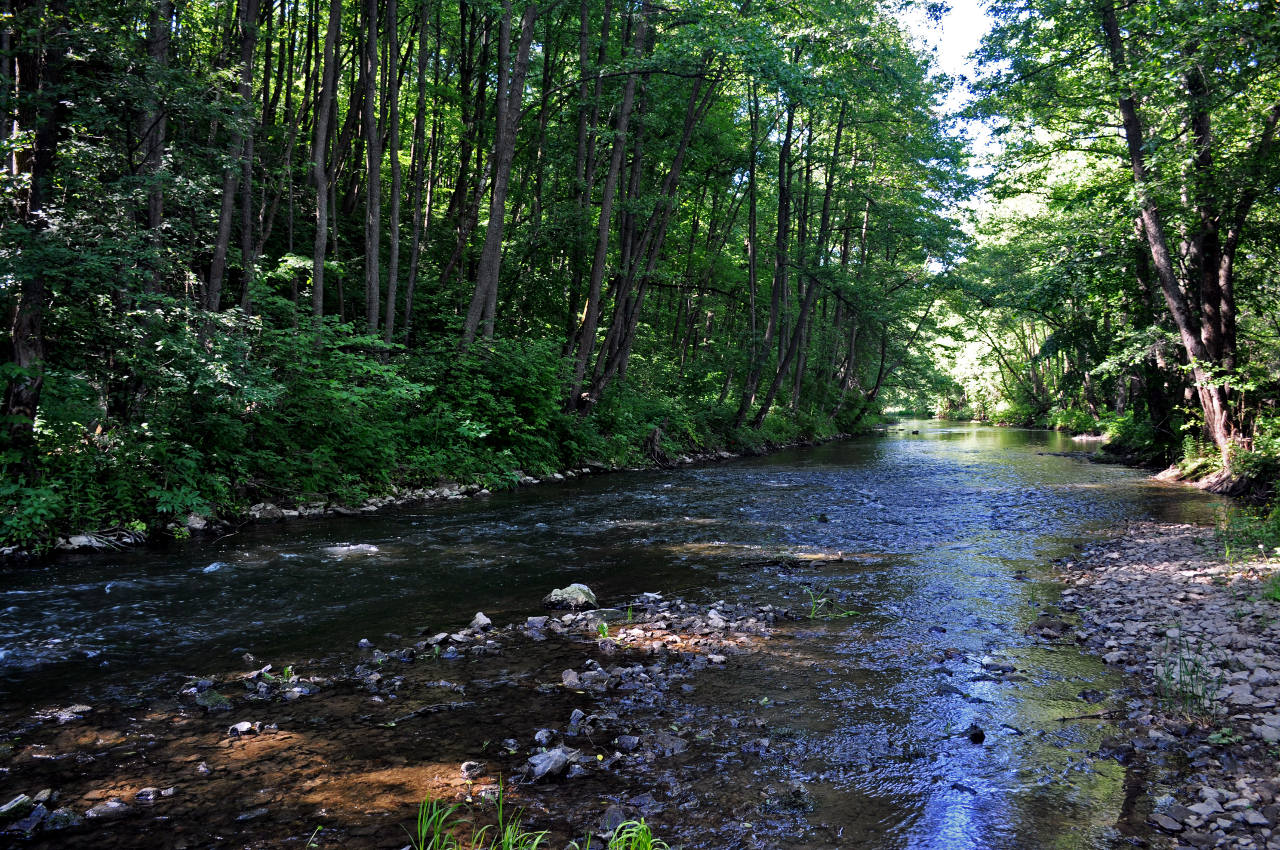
[953, 40]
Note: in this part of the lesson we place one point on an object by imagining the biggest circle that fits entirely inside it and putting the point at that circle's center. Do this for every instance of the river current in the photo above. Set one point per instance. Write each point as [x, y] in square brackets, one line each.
[936, 538]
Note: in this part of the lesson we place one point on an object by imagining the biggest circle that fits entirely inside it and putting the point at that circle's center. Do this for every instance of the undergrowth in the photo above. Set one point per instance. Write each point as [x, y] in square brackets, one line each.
[439, 826]
[231, 410]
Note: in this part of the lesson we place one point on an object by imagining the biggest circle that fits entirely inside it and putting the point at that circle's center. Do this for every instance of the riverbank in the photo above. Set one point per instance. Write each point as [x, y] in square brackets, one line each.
[293, 509]
[583, 719]
[1202, 636]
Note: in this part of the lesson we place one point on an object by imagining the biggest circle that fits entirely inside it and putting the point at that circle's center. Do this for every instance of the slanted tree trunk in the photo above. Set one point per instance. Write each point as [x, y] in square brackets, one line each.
[319, 175]
[586, 334]
[419, 166]
[393, 135]
[241, 154]
[373, 173]
[780, 272]
[508, 101]
[155, 121]
[41, 112]
[1206, 325]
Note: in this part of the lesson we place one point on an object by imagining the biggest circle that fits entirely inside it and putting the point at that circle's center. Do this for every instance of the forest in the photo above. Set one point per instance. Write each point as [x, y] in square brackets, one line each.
[285, 251]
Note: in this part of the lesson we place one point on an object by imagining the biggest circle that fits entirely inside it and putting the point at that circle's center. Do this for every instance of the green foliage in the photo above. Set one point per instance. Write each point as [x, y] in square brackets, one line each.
[1248, 532]
[1185, 681]
[437, 828]
[1073, 421]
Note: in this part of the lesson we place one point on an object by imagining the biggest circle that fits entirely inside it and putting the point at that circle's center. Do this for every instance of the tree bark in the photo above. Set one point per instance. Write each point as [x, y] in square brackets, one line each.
[319, 147]
[508, 100]
[393, 135]
[234, 171]
[373, 173]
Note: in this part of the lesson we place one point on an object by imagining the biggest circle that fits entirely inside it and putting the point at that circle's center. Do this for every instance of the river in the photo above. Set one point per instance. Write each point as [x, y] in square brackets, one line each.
[938, 535]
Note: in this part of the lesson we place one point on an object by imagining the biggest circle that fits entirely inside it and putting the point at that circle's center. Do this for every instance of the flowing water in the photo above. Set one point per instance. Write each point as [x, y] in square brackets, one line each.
[939, 540]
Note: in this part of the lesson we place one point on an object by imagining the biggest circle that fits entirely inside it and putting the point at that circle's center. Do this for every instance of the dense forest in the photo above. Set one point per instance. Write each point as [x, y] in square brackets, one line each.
[281, 251]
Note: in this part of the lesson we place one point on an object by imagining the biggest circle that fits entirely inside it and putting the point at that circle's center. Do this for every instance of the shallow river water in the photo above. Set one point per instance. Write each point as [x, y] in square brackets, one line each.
[939, 540]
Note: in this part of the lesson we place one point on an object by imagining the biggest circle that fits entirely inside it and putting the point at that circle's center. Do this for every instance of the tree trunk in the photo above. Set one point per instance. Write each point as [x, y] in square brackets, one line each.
[42, 113]
[586, 336]
[393, 135]
[508, 100]
[373, 173]
[232, 174]
[318, 152]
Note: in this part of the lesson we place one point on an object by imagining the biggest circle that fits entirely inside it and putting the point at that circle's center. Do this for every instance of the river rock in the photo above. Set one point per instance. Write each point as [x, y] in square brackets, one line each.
[108, 810]
[551, 763]
[666, 744]
[63, 818]
[31, 822]
[480, 622]
[613, 817]
[574, 596]
[265, 511]
[17, 807]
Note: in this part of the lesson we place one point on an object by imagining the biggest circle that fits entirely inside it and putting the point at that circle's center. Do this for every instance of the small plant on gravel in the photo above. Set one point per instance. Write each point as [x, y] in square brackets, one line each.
[602, 629]
[1226, 736]
[822, 608]
[630, 835]
[635, 835]
[1185, 682]
[1271, 588]
[438, 824]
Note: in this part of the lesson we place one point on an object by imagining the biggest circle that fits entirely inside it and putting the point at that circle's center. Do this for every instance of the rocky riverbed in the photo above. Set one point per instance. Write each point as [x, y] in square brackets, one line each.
[1161, 602]
[583, 716]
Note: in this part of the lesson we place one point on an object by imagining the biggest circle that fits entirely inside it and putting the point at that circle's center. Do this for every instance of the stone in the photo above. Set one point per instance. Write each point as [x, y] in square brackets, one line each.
[550, 763]
[108, 810]
[626, 743]
[480, 622]
[63, 818]
[574, 596]
[15, 808]
[613, 817]
[472, 769]
[666, 744]
[195, 523]
[1206, 808]
[266, 511]
[569, 678]
[1163, 821]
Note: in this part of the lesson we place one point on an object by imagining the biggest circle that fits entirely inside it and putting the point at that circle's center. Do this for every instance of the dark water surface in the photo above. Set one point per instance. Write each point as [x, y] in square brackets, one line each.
[945, 538]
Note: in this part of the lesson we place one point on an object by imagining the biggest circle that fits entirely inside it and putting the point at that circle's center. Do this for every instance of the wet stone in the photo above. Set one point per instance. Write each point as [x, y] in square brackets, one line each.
[63, 818]
[551, 763]
[108, 810]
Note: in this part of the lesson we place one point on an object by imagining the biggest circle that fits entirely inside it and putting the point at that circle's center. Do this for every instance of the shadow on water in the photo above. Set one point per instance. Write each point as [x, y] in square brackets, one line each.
[938, 540]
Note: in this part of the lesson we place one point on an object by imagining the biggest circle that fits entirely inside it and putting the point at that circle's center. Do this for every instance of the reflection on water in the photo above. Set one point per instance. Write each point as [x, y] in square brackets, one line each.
[941, 538]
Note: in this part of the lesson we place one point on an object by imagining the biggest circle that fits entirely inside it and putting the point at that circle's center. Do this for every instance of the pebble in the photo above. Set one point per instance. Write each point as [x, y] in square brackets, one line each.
[1160, 602]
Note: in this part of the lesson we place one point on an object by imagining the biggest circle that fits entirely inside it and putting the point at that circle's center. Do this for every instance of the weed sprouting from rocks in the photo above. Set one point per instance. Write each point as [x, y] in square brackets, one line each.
[1186, 681]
